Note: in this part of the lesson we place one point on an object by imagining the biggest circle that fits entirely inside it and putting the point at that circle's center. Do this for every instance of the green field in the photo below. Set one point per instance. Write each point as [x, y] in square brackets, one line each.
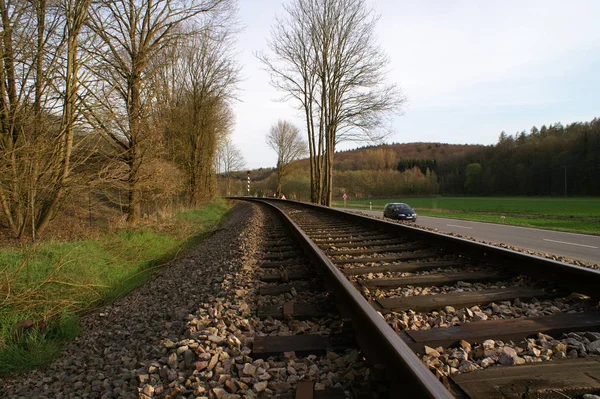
[579, 215]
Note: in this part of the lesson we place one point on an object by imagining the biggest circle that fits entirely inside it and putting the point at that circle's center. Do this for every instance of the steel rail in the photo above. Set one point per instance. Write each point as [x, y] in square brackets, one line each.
[582, 280]
[382, 345]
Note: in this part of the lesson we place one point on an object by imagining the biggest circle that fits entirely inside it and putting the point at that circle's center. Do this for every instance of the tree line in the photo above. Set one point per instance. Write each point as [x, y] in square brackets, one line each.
[550, 160]
[356, 184]
[127, 96]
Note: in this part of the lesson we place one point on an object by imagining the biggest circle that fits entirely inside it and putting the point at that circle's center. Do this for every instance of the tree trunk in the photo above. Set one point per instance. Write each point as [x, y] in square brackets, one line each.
[135, 198]
[63, 163]
[312, 153]
[12, 202]
[279, 177]
[76, 15]
[193, 180]
[330, 155]
[193, 187]
[7, 212]
[133, 155]
[134, 191]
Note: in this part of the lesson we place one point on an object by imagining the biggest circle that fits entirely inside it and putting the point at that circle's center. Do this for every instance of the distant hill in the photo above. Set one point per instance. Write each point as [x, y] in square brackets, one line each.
[355, 159]
[388, 156]
[550, 160]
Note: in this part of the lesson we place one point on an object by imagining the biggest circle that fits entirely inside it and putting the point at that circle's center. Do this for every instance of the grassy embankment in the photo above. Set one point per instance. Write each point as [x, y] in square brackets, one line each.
[576, 215]
[45, 288]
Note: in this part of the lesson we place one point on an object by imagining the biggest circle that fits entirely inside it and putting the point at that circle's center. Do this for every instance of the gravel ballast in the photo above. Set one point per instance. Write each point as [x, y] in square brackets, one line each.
[121, 340]
[188, 333]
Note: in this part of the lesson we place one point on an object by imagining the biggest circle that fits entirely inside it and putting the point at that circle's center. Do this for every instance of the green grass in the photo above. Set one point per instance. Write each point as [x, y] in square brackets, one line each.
[51, 283]
[577, 215]
[36, 347]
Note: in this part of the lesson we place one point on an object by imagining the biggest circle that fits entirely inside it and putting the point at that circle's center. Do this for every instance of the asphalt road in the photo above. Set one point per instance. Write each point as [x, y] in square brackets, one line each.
[570, 245]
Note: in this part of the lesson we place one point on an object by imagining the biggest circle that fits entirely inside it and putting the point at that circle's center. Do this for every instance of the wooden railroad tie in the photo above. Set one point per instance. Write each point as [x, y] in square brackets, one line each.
[301, 344]
[357, 244]
[281, 255]
[389, 258]
[305, 390]
[281, 242]
[273, 264]
[504, 329]
[401, 267]
[288, 309]
[301, 311]
[431, 279]
[336, 236]
[310, 393]
[282, 289]
[426, 303]
[571, 377]
[327, 225]
[280, 247]
[376, 250]
[286, 276]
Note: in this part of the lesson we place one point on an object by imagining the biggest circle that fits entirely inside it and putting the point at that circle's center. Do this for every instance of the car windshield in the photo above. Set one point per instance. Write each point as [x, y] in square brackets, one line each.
[401, 207]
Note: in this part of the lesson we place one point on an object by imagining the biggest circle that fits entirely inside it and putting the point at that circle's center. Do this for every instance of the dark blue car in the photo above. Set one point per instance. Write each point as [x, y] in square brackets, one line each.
[400, 211]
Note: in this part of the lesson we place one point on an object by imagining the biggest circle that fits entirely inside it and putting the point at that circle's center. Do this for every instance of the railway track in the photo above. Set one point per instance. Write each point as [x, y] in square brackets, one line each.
[301, 326]
[444, 317]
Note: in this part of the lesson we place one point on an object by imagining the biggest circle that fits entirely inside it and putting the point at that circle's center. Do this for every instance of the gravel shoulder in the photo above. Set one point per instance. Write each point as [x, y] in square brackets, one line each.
[187, 333]
[121, 339]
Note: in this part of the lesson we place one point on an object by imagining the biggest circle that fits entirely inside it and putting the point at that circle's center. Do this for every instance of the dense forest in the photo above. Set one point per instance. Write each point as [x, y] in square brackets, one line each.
[553, 160]
[550, 160]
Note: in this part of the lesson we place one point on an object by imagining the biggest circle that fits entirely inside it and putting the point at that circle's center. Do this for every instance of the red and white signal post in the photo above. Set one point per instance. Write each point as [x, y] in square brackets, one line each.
[248, 176]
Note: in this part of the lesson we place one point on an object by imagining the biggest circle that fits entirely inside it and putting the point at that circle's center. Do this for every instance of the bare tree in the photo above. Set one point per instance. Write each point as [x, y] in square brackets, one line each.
[132, 33]
[195, 131]
[76, 16]
[40, 99]
[287, 142]
[324, 56]
[293, 71]
[229, 159]
[200, 111]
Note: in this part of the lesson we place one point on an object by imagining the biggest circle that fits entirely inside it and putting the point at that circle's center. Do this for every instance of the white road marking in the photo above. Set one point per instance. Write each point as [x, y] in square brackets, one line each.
[462, 227]
[571, 243]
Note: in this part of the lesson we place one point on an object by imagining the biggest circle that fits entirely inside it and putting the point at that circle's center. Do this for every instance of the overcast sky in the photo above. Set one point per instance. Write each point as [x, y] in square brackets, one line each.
[470, 69]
